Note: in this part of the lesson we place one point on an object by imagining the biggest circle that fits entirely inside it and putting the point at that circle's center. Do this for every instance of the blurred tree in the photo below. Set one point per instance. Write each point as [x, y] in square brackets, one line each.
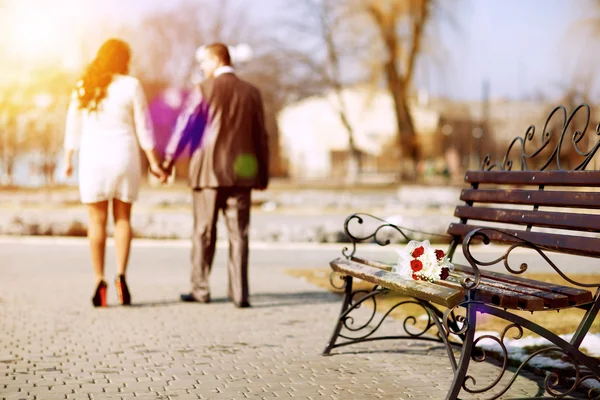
[45, 131]
[319, 64]
[402, 27]
[164, 42]
[341, 43]
[9, 148]
[578, 85]
[12, 140]
[45, 119]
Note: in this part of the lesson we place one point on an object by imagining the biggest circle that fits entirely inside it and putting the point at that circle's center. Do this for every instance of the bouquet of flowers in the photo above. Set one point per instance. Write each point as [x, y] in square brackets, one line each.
[420, 261]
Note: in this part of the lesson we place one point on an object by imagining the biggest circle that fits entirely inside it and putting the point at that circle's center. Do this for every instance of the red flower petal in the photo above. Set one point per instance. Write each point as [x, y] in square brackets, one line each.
[418, 252]
[445, 273]
[439, 254]
[415, 276]
[416, 265]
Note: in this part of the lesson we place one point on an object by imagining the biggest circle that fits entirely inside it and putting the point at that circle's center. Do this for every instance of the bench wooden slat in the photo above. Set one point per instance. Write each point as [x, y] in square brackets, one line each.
[576, 296]
[547, 178]
[497, 292]
[374, 263]
[552, 295]
[453, 281]
[549, 299]
[438, 294]
[578, 245]
[589, 200]
[503, 296]
[485, 293]
[547, 219]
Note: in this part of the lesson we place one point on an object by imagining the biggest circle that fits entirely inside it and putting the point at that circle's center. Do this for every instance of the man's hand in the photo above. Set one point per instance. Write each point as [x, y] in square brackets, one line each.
[261, 186]
[157, 171]
[263, 182]
[167, 166]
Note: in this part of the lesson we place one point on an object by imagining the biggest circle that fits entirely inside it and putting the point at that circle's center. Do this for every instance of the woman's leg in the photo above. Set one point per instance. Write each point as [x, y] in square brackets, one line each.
[123, 233]
[98, 213]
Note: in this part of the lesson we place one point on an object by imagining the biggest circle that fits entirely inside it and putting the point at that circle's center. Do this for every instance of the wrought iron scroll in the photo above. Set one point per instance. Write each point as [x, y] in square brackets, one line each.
[552, 380]
[451, 321]
[575, 373]
[473, 283]
[364, 329]
[361, 296]
[375, 236]
[566, 124]
[341, 277]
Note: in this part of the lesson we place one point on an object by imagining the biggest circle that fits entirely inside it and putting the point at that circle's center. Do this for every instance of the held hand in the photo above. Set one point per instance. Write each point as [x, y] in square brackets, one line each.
[157, 171]
[263, 182]
[167, 167]
[68, 169]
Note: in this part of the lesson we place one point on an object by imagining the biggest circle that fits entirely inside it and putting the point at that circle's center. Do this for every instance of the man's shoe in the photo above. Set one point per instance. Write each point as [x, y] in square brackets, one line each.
[243, 304]
[189, 297]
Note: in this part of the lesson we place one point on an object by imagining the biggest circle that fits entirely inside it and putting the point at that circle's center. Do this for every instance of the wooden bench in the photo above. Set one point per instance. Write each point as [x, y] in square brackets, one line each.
[542, 211]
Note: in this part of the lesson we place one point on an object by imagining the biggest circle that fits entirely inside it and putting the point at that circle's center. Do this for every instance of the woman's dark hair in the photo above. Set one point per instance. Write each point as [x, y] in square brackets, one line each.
[112, 58]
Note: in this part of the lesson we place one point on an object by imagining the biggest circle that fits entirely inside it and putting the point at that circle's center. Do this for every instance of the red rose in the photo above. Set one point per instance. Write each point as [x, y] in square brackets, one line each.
[439, 254]
[445, 273]
[418, 252]
[416, 265]
[415, 276]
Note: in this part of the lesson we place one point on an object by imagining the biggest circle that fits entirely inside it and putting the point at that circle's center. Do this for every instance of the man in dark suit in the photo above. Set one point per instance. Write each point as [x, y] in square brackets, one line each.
[224, 126]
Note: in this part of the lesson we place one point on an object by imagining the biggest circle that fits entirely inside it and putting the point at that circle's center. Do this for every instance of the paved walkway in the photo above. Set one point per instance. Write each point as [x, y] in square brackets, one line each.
[54, 345]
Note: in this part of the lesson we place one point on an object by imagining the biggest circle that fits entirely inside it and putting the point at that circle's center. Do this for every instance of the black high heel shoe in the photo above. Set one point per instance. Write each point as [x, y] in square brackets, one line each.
[99, 299]
[122, 290]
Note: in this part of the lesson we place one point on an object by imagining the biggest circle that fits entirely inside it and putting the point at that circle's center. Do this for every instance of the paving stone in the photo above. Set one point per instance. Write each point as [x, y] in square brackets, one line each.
[80, 396]
[15, 396]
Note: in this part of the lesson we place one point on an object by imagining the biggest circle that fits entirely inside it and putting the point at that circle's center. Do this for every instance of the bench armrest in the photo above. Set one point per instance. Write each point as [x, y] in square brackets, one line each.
[488, 235]
[377, 234]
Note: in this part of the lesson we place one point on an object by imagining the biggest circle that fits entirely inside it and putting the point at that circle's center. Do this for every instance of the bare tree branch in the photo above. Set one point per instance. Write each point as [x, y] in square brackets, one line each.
[419, 20]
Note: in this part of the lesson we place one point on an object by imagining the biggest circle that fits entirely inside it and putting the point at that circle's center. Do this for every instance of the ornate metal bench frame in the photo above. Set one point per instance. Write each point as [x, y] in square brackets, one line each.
[449, 324]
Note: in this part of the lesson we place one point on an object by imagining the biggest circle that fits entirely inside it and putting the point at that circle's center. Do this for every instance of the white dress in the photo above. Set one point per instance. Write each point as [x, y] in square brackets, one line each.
[109, 142]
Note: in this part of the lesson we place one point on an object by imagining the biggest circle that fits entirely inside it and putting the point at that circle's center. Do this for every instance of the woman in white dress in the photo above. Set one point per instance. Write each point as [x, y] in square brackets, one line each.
[108, 122]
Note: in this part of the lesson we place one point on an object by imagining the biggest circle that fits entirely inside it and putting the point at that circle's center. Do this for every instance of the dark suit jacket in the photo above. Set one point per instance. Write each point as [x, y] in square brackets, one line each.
[225, 129]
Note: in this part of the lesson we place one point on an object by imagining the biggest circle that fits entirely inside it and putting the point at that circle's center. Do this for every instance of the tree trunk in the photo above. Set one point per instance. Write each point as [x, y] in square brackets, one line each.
[353, 167]
[9, 166]
[407, 143]
[49, 168]
[398, 84]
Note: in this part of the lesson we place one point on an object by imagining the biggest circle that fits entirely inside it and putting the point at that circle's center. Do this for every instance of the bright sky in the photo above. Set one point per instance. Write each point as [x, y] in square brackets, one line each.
[521, 46]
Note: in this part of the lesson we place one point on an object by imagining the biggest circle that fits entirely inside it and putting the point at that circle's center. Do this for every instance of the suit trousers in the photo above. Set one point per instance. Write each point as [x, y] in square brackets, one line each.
[235, 205]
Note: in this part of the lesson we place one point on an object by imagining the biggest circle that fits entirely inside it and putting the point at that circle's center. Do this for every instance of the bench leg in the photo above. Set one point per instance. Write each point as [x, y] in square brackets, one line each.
[465, 356]
[587, 321]
[470, 352]
[340, 320]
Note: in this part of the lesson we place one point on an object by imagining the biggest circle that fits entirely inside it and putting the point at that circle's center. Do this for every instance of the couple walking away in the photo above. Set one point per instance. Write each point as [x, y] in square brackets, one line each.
[223, 127]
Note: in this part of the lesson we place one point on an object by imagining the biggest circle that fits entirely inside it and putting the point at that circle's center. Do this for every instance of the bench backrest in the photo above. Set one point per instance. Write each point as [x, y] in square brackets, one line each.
[555, 210]
[548, 206]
